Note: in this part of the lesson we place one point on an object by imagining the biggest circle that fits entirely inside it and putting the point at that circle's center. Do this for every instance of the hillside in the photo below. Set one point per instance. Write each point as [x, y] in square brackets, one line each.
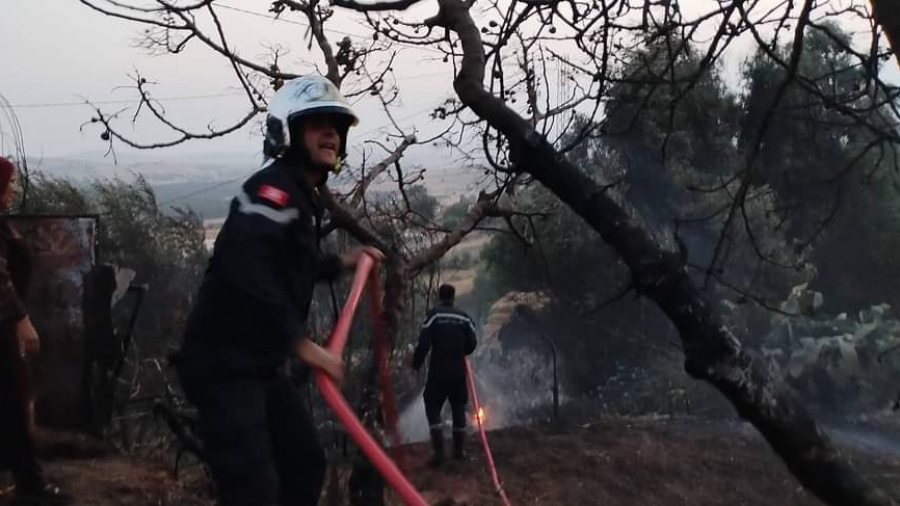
[612, 461]
[651, 462]
[206, 182]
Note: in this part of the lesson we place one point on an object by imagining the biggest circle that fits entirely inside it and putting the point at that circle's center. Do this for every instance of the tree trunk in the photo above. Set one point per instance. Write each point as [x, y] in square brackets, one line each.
[712, 352]
[366, 484]
[887, 14]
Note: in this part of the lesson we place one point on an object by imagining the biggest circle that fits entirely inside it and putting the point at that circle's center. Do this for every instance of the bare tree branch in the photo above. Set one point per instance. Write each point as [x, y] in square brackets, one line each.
[186, 25]
[482, 207]
[367, 179]
[397, 5]
[711, 351]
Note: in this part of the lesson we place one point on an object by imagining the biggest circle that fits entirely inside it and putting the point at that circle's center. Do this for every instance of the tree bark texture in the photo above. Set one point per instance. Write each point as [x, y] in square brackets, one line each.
[887, 14]
[366, 484]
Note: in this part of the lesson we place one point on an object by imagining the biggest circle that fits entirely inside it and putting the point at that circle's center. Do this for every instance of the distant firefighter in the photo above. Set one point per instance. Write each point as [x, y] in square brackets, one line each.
[449, 334]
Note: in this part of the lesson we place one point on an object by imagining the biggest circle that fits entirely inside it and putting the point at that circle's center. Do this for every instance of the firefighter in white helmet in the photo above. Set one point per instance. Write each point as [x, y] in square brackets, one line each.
[250, 316]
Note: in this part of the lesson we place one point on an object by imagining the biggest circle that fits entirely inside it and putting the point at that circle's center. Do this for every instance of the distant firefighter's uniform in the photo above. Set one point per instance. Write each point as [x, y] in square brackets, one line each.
[449, 334]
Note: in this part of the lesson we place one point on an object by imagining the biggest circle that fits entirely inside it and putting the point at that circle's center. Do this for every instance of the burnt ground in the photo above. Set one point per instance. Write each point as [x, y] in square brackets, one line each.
[99, 476]
[647, 461]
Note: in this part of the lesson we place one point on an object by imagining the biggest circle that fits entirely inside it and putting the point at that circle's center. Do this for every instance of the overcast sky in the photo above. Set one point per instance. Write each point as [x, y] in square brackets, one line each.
[59, 52]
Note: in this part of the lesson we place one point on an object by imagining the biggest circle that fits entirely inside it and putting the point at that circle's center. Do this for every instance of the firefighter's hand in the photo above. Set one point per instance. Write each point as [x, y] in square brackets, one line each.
[29, 342]
[314, 355]
[351, 258]
[333, 367]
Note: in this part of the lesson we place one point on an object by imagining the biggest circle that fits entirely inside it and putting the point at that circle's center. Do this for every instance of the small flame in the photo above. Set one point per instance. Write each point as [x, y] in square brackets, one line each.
[480, 416]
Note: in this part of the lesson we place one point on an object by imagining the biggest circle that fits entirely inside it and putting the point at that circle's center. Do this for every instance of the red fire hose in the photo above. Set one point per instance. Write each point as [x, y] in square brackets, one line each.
[357, 432]
[470, 379]
[334, 398]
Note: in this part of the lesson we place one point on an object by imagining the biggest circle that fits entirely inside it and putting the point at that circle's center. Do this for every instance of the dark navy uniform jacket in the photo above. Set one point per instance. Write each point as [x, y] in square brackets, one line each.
[449, 334]
[257, 290]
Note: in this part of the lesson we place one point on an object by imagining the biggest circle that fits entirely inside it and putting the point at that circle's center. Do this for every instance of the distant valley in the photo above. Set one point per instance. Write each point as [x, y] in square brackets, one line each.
[206, 183]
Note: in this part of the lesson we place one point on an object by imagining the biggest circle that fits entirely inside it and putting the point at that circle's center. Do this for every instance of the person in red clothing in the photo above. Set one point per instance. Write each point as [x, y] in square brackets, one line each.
[19, 342]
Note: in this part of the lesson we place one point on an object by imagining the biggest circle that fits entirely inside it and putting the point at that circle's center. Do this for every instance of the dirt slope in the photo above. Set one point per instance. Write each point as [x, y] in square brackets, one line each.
[97, 476]
[610, 462]
[630, 462]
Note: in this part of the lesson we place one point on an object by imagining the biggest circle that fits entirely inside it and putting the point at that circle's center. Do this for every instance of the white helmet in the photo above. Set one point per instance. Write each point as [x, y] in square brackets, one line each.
[298, 97]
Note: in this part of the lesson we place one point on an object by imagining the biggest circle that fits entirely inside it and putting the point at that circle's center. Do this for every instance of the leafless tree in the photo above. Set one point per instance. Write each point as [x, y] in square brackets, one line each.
[597, 30]
[171, 26]
[523, 70]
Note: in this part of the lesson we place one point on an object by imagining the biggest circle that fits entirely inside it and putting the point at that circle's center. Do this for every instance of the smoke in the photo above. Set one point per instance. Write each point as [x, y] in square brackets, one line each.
[413, 425]
[514, 388]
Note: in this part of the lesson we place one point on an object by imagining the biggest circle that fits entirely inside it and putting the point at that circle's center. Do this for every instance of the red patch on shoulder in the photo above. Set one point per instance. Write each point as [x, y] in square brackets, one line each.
[275, 195]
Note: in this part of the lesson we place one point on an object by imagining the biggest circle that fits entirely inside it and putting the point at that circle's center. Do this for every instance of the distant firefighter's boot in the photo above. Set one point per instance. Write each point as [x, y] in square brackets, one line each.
[437, 446]
[459, 443]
